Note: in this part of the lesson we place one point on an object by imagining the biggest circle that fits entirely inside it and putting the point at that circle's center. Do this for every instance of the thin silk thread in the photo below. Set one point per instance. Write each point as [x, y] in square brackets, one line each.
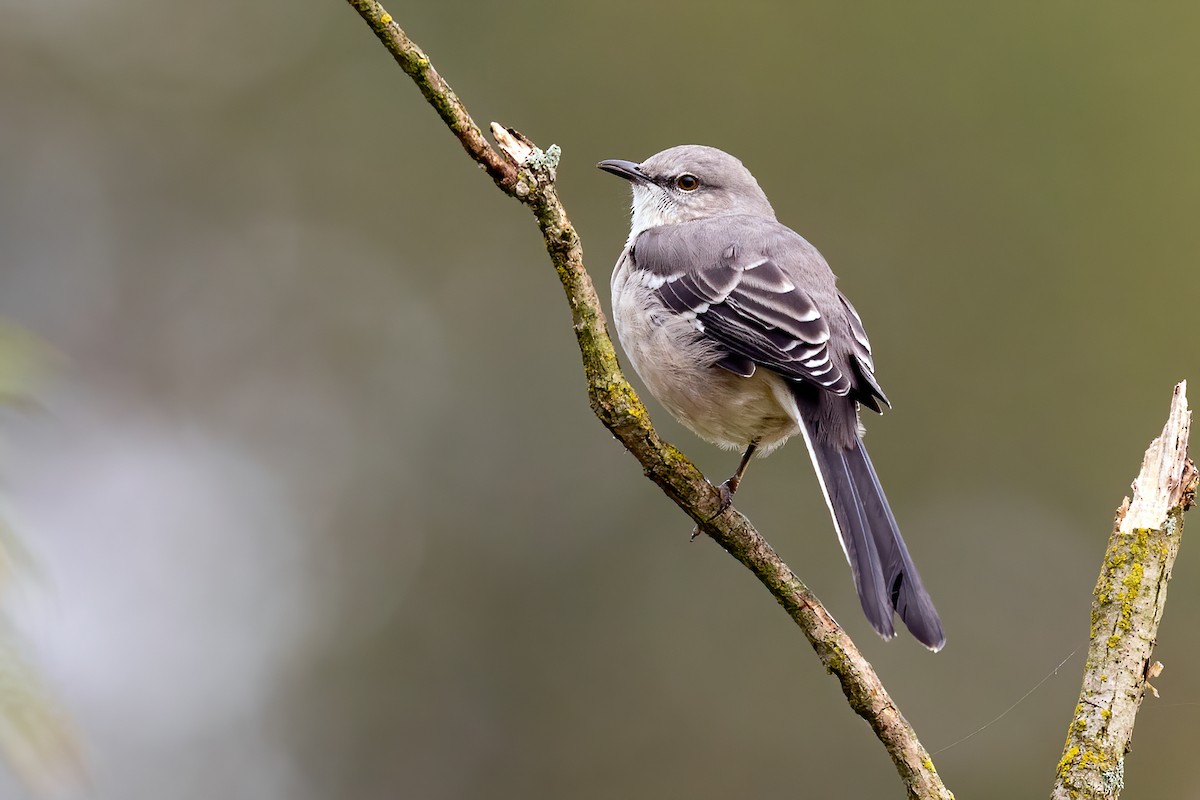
[1004, 713]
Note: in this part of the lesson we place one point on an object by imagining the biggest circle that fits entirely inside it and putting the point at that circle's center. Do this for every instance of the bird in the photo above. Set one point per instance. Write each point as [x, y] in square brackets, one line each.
[735, 324]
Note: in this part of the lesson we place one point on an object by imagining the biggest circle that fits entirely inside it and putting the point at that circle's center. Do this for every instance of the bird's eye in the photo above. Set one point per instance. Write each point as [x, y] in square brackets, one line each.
[689, 183]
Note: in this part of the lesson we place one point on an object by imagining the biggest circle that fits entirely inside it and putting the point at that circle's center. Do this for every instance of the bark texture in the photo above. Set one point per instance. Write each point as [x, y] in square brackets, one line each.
[1127, 606]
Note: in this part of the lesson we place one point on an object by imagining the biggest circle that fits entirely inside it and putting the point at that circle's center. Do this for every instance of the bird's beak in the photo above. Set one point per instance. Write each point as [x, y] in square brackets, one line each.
[624, 169]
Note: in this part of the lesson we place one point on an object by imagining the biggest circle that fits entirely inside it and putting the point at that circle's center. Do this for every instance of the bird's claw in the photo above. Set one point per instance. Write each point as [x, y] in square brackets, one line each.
[726, 492]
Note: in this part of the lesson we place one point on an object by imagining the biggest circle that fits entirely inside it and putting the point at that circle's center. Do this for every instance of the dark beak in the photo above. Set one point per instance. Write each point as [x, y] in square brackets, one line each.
[624, 169]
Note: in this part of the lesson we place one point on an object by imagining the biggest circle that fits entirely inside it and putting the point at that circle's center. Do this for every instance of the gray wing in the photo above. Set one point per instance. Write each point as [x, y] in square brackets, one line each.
[738, 294]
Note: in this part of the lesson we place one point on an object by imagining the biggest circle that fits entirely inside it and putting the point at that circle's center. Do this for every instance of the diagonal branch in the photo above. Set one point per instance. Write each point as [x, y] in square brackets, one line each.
[1127, 606]
[527, 174]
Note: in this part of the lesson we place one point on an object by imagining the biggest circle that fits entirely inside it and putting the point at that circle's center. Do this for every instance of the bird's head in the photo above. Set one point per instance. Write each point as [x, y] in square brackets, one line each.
[689, 182]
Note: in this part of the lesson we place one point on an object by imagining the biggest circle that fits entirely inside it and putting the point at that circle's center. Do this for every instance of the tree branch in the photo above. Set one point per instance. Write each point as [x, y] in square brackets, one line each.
[1127, 606]
[528, 175]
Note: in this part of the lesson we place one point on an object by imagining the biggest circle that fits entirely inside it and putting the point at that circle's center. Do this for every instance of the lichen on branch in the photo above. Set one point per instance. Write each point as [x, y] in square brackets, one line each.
[1127, 606]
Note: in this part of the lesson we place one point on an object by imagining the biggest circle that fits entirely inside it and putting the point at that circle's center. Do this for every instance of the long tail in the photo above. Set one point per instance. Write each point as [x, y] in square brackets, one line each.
[884, 574]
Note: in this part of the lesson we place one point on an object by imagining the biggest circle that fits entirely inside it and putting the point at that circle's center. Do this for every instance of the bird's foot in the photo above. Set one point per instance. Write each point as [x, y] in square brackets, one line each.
[726, 489]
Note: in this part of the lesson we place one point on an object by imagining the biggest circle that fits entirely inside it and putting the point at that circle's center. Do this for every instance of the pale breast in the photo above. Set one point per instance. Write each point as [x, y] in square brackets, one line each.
[676, 362]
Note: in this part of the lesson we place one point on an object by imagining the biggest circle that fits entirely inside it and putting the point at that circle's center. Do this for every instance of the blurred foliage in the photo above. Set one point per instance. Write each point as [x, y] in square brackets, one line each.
[35, 736]
[24, 364]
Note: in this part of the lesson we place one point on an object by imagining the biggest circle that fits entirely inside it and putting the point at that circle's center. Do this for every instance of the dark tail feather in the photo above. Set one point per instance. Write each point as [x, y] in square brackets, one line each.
[884, 574]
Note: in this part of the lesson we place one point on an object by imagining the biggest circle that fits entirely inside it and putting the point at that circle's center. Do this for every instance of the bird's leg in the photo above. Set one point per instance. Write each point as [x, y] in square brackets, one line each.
[731, 485]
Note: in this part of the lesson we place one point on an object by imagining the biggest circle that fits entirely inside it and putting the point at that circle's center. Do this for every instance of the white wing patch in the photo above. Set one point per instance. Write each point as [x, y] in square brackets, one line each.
[652, 281]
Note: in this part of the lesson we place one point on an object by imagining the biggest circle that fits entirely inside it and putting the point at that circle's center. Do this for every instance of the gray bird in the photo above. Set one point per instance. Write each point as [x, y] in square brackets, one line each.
[734, 322]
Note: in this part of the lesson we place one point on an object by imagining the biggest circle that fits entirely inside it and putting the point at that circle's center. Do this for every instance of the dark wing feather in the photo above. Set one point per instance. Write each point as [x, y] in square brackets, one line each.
[743, 300]
[870, 394]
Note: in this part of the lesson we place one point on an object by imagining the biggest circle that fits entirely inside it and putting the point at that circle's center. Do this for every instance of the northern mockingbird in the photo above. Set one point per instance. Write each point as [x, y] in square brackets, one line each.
[735, 324]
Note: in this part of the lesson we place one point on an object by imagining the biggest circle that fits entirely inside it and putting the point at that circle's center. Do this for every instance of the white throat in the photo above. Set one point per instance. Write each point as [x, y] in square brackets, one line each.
[650, 210]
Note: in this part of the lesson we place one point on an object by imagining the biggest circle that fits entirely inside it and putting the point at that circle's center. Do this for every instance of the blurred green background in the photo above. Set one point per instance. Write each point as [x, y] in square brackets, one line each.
[315, 501]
